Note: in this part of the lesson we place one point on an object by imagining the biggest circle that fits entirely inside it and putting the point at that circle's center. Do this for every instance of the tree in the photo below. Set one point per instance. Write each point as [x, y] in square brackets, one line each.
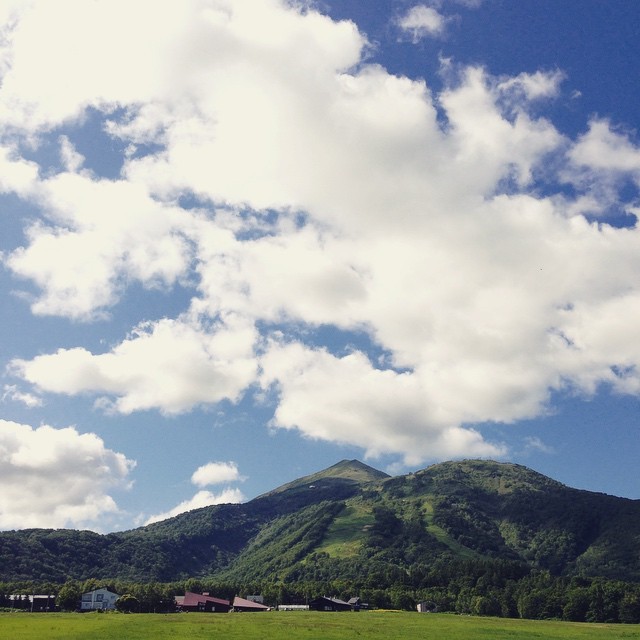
[127, 603]
[630, 608]
[577, 605]
[69, 595]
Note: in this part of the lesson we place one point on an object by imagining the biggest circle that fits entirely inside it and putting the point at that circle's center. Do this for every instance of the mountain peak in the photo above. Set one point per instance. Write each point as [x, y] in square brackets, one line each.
[352, 471]
[355, 470]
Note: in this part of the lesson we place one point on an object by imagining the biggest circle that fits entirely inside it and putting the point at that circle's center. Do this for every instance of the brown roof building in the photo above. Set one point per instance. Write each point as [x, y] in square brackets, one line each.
[202, 602]
[240, 604]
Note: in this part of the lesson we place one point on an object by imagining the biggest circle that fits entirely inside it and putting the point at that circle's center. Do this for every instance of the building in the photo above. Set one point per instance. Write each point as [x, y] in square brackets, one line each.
[329, 604]
[242, 604]
[43, 602]
[100, 599]
[256, 598]
[426, 607]
[293, 607]
[33, 602]
[201, 602]
[357, 604]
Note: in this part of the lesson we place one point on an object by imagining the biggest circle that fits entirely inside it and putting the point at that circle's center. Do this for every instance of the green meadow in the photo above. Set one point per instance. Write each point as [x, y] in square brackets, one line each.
[382, 625]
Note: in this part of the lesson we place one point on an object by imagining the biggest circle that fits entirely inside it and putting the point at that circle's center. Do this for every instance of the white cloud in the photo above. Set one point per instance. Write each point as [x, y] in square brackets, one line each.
[16, 174]
[56, 477]
[346, 400]
[199, 500]
[71, 159]
[99, 234]
[490, 145]
[533, 86]
[98, 58]
[170, 365]
[604, 149]
[333, 194]
[208, 474]
[216, 473]
[12, 393]
[422, 21]
[533, 443]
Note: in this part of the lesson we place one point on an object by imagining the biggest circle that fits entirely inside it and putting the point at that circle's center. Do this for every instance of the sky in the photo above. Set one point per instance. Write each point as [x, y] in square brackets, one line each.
[242, 240]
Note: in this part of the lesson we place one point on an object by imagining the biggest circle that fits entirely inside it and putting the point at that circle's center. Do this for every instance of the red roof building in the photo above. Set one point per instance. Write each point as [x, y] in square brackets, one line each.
[240, 604]
[202, 602]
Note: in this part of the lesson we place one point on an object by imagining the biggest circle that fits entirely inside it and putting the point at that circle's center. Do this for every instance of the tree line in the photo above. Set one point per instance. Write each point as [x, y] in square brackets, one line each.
[472, 587]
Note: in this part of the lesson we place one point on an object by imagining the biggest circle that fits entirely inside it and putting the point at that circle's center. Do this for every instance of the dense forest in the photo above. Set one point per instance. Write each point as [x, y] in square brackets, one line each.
[480, 588]
[473, 537]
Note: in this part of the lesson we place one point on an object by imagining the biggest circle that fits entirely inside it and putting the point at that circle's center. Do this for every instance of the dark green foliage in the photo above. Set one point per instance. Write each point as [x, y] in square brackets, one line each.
[284, 542]
[127, 603]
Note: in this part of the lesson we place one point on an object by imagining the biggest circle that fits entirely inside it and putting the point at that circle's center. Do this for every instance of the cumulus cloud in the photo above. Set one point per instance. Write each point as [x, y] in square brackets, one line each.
[347, 400]
[534, 86]
[199, 500]
[16, 174]
[604, 149]
[331, 194]
[171, 365]
[13, 394]
[422, 21]
[216, 473]
[56, 477]
[208, 474]
[97, 235]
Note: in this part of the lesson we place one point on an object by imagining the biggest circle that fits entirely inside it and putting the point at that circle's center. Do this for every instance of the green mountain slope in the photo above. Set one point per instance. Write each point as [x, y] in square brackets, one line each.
[348, 472]
[353, 522]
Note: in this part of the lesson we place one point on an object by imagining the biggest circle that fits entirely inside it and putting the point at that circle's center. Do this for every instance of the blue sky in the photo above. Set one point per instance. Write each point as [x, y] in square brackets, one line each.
[241, 241]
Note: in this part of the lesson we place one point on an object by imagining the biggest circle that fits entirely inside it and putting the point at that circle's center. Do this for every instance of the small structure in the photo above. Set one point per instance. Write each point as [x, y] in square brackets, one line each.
[32, 602]
[43, 602]
[256, 598]
[293, 607]
[99, 599]
[201, 602]
[242, 604]
[329, 604]
[426, 606]
[357, 604]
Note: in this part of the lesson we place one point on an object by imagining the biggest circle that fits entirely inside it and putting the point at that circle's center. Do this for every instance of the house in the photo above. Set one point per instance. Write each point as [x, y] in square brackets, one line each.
[240, 604]
[201, 602]
[256, 598]
[32, 602]
[357, 604]
[427, 607]
[43, 602]
[329, 604]
[99, 599]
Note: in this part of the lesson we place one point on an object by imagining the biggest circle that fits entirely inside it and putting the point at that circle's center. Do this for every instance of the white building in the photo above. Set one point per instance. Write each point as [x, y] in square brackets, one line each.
[98, 599]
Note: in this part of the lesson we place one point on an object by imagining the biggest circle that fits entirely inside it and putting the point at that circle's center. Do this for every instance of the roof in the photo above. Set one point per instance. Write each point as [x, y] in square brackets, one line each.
[100, 590]
[248, 604]
[335, 601]
[194, 599]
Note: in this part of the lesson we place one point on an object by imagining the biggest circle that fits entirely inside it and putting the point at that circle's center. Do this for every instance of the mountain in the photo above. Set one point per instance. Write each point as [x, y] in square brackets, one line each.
[347, 471]
[351, 521]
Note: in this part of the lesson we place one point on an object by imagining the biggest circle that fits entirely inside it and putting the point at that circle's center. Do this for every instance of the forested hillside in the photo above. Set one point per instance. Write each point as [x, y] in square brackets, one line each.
[351, 525]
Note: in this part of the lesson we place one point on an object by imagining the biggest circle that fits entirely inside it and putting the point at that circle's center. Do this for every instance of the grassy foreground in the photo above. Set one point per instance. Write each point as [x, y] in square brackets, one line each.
[297, 626]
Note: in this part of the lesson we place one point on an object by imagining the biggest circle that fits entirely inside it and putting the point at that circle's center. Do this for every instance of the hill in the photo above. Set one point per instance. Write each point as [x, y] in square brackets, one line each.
[353, 522]
[347, 471]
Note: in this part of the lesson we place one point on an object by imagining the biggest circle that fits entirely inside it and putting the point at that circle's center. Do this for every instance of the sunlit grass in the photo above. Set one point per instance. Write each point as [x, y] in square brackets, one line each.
[346, 533]
[374, 625]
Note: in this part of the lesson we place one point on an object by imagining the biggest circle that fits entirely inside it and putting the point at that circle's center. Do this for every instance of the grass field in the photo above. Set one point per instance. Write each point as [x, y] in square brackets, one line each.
[378, 625]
